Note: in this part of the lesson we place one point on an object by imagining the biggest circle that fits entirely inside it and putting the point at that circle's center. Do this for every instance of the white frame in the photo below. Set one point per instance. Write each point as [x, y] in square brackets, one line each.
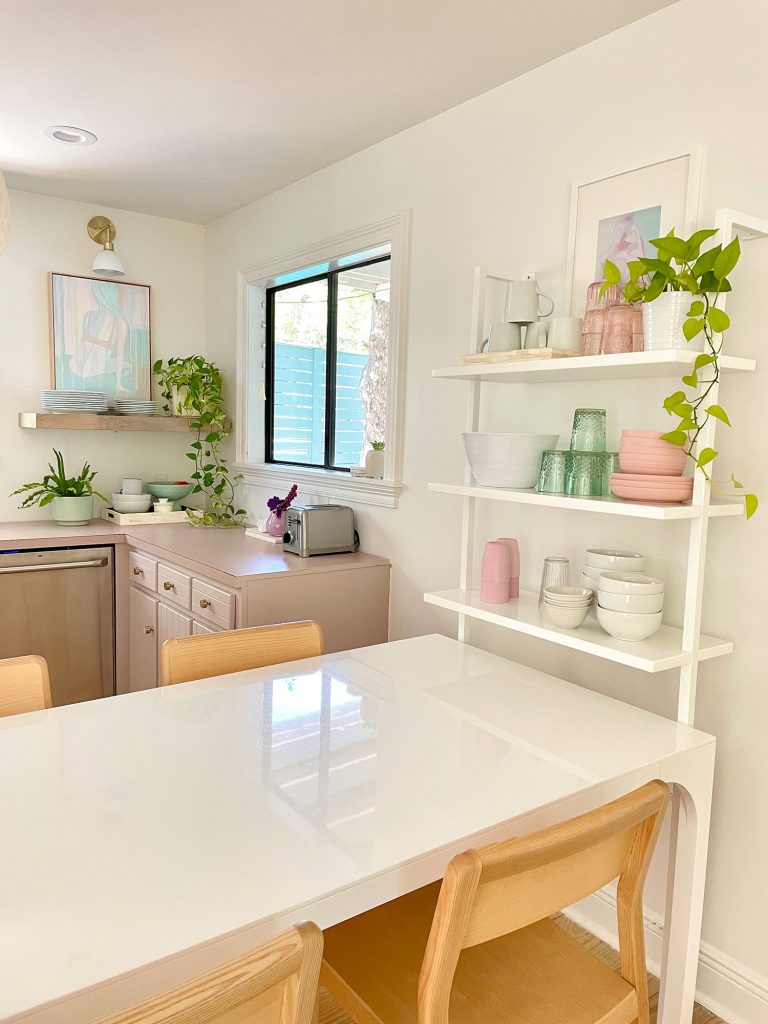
[394, 231]
[695, 159]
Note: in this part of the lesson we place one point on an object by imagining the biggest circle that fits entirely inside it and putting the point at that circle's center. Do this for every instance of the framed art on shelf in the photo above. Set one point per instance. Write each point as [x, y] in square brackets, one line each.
[100, 336]
[615, 216]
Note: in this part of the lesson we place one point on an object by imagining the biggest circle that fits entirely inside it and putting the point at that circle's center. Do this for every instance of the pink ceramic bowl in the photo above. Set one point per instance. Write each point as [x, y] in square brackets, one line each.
[651, 488]
[645, 434]
[660, 465]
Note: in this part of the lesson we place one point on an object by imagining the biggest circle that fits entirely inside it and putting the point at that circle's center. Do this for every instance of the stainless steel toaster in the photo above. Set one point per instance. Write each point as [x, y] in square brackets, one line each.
[319, 530]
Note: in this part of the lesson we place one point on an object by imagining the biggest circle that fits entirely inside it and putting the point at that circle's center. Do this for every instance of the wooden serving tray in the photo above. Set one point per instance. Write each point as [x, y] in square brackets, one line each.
[517, 355]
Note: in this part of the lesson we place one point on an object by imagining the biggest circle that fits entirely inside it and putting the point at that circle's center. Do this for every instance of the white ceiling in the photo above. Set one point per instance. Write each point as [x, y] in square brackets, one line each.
[201, 106]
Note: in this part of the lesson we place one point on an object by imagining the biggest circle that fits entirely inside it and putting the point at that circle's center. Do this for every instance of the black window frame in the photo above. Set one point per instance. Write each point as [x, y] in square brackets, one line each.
[331, 276]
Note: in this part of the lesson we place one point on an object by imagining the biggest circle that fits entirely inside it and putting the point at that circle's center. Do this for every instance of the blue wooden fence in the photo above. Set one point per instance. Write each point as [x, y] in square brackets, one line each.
[299, 423]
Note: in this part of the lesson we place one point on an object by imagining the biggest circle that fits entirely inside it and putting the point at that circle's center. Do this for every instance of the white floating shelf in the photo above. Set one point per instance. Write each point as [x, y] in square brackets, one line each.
[608, 505]
[633, 365]
[662, 651]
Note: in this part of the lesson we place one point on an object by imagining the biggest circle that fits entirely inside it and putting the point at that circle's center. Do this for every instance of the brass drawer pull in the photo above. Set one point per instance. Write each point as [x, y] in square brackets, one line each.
[149, 629]
[169, 586]
[137, 571]
[205, 603]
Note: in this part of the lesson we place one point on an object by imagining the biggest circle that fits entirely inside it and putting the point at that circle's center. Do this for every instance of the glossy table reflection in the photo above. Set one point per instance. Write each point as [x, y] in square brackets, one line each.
[151, 835]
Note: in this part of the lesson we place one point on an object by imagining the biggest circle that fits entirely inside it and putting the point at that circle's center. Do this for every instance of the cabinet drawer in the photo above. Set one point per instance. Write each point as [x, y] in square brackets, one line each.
[142, 570]
[174, 585]
[213, 604]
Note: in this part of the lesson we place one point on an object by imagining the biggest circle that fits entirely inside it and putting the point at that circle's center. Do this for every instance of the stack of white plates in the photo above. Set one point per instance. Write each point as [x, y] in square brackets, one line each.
[73, 401]
[134, 407]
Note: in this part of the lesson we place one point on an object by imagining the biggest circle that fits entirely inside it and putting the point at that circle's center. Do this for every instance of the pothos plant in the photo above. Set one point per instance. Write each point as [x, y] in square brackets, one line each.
[681, 266]
[192, 387]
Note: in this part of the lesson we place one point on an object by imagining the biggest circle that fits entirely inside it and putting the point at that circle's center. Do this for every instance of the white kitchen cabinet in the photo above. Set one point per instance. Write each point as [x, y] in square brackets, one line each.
[142, 633]
[198, 629]
[171, 624]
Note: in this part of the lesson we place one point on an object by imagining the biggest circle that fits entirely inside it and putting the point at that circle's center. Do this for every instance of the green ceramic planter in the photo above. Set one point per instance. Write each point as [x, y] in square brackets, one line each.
[73, 511]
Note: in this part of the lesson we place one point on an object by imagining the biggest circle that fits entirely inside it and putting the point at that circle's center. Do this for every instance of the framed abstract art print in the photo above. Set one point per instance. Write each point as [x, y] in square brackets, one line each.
[100, 336]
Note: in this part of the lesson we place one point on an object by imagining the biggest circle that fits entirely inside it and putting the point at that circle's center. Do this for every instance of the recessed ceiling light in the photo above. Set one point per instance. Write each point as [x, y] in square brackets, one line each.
[72, 136]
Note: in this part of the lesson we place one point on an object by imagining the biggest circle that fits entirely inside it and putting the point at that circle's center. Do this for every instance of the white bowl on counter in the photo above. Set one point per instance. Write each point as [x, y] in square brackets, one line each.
[630, 583]
[617, 561]
[643, 603]
[131, 502]
[630, 626]
[506, 460]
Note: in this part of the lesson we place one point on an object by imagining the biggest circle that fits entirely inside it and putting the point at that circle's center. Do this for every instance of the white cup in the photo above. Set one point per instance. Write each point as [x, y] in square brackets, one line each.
[131, 485]
[536, 334]
[565, 333]
[504, 338]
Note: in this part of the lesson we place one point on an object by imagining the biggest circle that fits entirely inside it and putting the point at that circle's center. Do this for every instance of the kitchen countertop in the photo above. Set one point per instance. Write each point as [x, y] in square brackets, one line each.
[228, 552]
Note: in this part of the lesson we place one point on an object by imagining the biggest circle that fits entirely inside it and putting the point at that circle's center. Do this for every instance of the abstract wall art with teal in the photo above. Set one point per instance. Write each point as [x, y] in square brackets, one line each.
[101, 336]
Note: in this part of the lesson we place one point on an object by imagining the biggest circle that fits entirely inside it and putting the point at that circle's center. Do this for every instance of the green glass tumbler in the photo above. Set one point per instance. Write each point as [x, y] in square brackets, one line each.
[552, 475]
[588, 434]
[610, 465]
[585, 474]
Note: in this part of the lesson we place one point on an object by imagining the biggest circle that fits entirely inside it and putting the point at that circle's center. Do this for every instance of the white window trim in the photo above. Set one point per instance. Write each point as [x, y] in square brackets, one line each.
[394, 231]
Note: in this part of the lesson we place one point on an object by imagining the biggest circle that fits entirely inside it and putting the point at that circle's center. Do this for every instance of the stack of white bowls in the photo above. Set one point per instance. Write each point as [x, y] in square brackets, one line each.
[128, 503]
[629, 605]
[600, 560]
[567, 606]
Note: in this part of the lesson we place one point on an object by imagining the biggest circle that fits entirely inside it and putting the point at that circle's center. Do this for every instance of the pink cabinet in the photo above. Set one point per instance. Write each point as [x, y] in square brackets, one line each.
[142, 637]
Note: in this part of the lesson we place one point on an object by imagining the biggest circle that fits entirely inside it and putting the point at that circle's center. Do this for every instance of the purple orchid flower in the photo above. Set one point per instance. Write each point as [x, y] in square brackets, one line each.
[278, 505]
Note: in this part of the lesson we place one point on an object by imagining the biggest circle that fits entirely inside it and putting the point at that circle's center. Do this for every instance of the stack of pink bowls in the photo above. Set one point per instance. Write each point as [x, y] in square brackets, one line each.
[651, 469]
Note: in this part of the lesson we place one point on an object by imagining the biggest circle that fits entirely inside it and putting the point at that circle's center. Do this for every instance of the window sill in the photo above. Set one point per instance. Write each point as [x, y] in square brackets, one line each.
[325, 482]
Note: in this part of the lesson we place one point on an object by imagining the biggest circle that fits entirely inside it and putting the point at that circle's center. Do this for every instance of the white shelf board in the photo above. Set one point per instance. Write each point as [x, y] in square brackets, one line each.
[609, 504]
[662, 651]
[631, 365]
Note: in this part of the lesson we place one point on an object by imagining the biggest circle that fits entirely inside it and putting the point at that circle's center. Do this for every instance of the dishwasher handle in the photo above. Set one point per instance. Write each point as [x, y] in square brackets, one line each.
[93, 563]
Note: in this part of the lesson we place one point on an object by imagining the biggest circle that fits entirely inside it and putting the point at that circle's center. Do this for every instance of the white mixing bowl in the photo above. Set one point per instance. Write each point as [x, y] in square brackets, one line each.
[506, 460]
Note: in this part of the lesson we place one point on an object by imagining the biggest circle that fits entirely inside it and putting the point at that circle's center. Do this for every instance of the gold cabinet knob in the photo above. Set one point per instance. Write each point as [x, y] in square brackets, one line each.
[137, 571]
[205, 603]
[149, 629]
[169, 586]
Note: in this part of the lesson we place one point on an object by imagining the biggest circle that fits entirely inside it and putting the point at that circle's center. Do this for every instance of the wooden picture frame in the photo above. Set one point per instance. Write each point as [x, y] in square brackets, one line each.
[100, 336]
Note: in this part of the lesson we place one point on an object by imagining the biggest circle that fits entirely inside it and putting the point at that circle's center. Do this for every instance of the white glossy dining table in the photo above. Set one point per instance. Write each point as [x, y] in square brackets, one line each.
[149, 836]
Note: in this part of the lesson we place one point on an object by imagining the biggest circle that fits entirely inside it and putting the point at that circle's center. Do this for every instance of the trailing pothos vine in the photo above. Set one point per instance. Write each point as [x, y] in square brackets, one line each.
[680, 265]
[192, 387]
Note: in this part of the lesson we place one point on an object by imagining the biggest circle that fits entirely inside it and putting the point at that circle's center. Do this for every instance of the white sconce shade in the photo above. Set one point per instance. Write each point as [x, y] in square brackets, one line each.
[5, 216]
[107, 263]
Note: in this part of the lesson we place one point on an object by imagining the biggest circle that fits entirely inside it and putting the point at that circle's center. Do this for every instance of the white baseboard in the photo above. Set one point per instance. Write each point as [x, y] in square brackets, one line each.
[726, 987]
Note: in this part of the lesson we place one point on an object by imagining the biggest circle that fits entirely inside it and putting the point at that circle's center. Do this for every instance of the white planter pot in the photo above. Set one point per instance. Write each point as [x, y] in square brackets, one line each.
[374, 463]
[663, 321]
[73, 511]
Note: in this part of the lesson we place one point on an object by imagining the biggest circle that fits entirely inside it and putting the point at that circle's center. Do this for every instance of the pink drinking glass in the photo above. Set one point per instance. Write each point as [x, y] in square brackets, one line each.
[496, 572]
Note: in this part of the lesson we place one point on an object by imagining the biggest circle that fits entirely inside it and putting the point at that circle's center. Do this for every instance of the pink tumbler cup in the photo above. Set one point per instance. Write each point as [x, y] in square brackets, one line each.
[495, 574]
[514, 568]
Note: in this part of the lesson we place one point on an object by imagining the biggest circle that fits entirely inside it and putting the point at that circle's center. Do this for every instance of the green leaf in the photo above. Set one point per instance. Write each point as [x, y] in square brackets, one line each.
[709, 283]
[703, 360]
[677, 437]
[611, 273]
[691, 380]
[673, 399]
[697, 239]
[674, 246]
[658, 265]
[697, 308]
[635, 269]
[718, 319]
[692, 327]
[191, 455]
[655, 288]
[727, 259]
[706, 456]
[735, 482]
[706, 261]
[719, 413]
[750, 504]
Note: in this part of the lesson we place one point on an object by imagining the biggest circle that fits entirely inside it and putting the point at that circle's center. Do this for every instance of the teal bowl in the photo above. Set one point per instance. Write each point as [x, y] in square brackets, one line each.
[164, 489]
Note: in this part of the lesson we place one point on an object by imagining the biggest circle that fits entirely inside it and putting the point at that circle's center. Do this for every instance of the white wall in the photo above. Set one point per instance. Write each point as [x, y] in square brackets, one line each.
[50, 234]
[488, 182]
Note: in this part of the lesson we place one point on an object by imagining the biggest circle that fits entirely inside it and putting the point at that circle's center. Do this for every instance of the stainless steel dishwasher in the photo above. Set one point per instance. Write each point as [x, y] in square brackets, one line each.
[59, 603]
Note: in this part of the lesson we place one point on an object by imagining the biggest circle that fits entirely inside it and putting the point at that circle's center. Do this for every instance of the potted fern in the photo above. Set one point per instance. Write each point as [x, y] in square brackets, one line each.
[70, 498]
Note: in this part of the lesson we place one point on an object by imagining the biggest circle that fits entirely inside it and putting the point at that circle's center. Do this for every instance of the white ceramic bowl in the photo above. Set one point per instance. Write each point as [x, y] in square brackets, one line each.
[589, 583]
[567, 595]
[618, 561]
[506, 460]
[642, 603]
[628, 625]
[630, 583]
[131, 502]
[566, 618]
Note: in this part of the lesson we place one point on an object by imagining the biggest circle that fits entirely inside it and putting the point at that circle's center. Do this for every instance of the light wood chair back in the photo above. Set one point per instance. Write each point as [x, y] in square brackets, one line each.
[235, 650]
[24, 685]
[498, 889]
[274, 984]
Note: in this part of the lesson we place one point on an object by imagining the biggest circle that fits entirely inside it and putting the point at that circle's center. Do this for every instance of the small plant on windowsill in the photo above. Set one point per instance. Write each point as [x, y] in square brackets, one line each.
[374, 460]
[681, 266]
[192, 387]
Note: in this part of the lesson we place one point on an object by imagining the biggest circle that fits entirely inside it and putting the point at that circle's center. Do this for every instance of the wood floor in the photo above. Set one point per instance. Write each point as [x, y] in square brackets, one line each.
[331, 1012]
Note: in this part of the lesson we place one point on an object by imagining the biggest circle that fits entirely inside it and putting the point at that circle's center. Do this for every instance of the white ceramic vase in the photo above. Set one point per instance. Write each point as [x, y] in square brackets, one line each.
[663, 321]
[73, 511]
[374, 463]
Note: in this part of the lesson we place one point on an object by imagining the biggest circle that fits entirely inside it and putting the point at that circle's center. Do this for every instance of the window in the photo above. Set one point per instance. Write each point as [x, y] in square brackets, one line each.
[327, 348]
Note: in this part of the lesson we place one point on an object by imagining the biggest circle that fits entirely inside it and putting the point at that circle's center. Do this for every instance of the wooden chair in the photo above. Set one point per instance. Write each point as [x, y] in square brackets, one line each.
[274, 984]
[480, 948]
[234, 650]
[24, 685]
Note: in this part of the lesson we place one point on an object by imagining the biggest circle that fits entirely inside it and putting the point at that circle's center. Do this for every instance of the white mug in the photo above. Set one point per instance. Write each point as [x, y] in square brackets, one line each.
[503, 338]
[565, 333]
[131, 485]
[536, 334]
[523, 302]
